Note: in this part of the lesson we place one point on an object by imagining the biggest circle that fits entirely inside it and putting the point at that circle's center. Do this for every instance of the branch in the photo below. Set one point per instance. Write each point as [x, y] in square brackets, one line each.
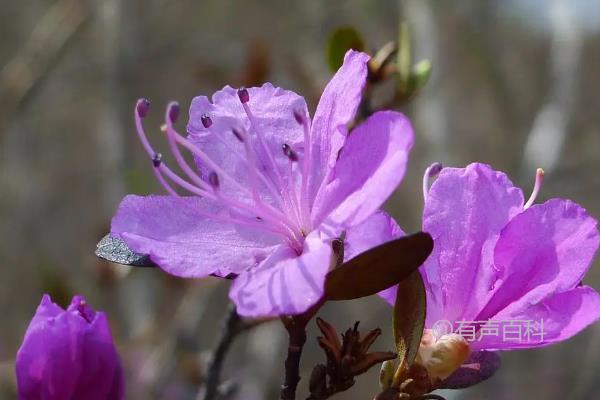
[297, 337]
[233, 326]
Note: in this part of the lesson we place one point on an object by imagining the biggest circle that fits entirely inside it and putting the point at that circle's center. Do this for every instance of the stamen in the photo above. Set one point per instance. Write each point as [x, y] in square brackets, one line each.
[539, 179]
[238, 134]
[305, 207]
[289, 152]
[206, 121]
[213, 179]
[432, 171]
[157, 160]
[243, 95]
[142, 107]
[171, 115]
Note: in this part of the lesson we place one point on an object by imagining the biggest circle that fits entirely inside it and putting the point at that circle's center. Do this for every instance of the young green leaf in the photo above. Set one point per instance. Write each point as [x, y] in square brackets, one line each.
[340, 41]
[378, 268]
[409, 321]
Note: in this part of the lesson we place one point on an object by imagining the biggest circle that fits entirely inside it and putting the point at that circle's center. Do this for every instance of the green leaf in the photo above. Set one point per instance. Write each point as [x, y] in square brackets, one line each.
[340, 41]
[409, 321]
[404, 57]
[419, 76]
[378, 268]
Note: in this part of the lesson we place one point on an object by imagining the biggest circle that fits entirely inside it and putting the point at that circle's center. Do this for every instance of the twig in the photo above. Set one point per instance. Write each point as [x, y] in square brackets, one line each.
[233, 326]
[297, 337]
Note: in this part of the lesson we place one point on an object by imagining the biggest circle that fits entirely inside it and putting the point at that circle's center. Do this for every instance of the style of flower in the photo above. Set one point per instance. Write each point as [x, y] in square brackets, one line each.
[271, 190]
[68, 355]
[499, 261]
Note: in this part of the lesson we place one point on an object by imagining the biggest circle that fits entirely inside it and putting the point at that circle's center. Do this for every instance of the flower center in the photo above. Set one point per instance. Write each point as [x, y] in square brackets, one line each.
[271, 200]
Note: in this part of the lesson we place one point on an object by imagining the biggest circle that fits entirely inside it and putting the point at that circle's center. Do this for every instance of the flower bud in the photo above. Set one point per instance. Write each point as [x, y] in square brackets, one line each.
[68, 355]
[442, 356]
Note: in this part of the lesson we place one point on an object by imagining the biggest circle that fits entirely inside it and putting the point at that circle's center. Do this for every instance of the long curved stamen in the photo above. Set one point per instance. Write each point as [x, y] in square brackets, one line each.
[171, 115]
[244, 97]
[268, 210]
[207, 123]
[539, 179]
[304, 206]
[160, 169]
[156, 161]
[432, 171]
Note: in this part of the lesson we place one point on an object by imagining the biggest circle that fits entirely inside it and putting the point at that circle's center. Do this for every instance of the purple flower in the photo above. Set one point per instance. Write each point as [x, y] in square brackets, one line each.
[68, 355]
[271, 190]
[499, 261]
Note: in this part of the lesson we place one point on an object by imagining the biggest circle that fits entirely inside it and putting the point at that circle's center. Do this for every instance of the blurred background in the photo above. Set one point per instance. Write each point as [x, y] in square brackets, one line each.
[514, 84]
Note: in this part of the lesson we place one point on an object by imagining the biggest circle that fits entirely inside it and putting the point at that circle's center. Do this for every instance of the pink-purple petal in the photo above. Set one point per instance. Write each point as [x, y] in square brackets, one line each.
[553, 319]
[180, 237]
[370, 167]
[465, 211]
[378, 229]
[336, 108]
[546, 249]
[285, 283]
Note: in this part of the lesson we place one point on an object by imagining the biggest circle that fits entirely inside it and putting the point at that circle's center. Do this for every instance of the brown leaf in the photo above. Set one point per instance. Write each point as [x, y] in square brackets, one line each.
[409, 320]
[378, 268]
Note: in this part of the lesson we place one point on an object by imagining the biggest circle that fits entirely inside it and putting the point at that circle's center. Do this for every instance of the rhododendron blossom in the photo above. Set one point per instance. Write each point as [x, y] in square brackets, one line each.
[498, 259]
[270, 190]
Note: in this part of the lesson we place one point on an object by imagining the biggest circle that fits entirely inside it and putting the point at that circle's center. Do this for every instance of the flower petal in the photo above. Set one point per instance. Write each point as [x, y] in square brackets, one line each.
[337, 107]
[554, 319]
[379, 228]
[370, 167]
[465, 211]
[179, 236]
[273, 110]
[285, 283]
[546, 249]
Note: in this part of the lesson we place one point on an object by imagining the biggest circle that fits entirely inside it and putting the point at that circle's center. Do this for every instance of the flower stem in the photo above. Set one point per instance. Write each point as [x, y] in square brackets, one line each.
[233, 326]
[297, 337]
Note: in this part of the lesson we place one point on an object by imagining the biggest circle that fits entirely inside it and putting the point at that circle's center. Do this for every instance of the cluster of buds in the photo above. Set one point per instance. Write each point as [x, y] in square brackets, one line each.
[346, 359]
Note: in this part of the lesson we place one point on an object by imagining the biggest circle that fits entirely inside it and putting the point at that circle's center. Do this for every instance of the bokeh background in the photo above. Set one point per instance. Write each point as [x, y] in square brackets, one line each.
[514, 84]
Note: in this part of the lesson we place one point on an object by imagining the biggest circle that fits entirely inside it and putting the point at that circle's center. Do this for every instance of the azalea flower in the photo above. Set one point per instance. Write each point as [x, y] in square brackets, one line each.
[270, 190]
[499, 260]
[68, 355]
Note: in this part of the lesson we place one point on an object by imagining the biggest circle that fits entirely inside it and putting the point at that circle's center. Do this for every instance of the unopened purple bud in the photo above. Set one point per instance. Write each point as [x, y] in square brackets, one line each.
[142, 107]
[243, 95]
[299, 116]
[206, 121]
[157, 160]
[238, 134]
[289, 152]
[434, 169]
[213, 179]
[173, 108]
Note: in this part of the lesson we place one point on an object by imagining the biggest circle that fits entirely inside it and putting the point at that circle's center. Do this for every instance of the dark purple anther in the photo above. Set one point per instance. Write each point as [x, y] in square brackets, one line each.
[299, 116]
[243, 95]
[157, 160]
[238, 134]
[206, 121]
[213, 179]
[173, 111]
[435, 169]
[289, 152]
[142, 107]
